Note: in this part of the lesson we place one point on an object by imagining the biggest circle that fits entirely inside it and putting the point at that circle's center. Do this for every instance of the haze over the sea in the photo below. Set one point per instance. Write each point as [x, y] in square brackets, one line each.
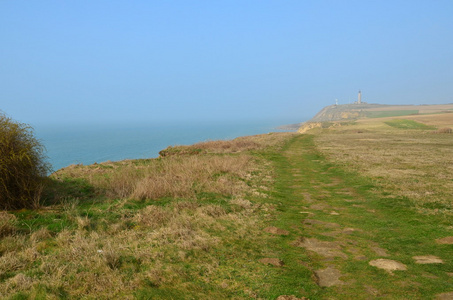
[117, 62]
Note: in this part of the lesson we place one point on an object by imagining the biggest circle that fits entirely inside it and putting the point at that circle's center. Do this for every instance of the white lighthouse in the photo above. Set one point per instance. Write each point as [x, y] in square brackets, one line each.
[359, 99]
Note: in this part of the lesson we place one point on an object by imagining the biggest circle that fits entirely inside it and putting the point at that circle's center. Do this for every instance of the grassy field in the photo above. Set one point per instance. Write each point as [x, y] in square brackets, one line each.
[392, 113]
[359, 211]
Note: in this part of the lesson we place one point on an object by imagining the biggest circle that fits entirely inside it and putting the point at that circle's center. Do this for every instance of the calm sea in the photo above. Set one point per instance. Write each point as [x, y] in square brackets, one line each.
[68, 145]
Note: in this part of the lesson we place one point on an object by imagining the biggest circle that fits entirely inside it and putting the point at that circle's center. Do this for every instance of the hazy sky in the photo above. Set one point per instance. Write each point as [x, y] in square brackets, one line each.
[133, 61]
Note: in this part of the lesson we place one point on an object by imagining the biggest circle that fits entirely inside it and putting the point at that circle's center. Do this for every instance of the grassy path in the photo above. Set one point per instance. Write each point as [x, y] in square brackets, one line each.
[340, 225]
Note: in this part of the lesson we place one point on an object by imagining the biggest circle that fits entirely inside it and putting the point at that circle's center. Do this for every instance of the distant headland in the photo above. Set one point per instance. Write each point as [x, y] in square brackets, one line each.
[350, 112]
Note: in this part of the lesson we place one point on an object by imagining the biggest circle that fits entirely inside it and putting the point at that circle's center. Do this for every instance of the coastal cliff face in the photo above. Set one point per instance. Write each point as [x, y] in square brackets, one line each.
[308, 126]
[336, 114]
[344, 112]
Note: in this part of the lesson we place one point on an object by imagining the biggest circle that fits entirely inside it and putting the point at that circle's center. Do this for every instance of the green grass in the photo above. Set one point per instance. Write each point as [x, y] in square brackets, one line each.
[390, 223]
[408, 124]
[210, 246]
[391, 113]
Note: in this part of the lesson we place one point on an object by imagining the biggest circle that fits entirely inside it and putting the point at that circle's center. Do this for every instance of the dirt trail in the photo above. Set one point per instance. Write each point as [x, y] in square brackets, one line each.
[348, 236]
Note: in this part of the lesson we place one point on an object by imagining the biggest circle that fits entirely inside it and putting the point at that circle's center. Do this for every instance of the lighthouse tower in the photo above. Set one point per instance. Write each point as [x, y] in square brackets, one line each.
[359, 99]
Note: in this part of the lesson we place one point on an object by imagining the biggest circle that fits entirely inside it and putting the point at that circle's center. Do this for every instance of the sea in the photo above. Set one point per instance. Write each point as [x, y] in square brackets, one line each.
[87, 144]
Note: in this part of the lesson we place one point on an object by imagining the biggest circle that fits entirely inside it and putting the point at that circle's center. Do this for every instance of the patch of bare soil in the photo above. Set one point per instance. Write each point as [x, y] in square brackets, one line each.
[276, 230]
[323, 248]
[290, 297]
[328, 277]
[445, 296]
[272, 261]
[338, 232]
[388, 265]
[335, 182]
[446, 240]
[427, 259]
[347, 191]
[307, 197]
[311, 222]
[379, 251]
[319, 206]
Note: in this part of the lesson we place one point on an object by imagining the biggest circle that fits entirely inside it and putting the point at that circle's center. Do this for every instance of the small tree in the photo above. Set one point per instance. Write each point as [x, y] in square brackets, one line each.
[22, 165]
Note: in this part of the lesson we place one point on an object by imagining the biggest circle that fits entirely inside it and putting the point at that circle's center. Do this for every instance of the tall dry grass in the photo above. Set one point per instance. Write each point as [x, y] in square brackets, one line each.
[7, 223]
[111, 249]
[240, 144]
[174, 176]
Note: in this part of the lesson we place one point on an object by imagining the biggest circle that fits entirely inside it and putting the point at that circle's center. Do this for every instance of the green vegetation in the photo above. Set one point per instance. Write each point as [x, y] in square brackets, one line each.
[310, 215]
[408, 124]
[390, 113]
[22, 165]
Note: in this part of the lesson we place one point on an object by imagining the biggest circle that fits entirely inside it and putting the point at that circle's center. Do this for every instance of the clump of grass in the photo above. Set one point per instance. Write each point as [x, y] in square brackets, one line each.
[179, 150]
[20, 282]
[40, 235]
[444, 130]
[7, 223]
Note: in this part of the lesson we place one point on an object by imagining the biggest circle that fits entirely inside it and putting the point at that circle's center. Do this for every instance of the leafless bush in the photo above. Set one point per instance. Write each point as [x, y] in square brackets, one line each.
[22, 165]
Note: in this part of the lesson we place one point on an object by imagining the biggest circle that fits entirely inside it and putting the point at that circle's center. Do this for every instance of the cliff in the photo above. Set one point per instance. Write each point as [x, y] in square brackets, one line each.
[344, 112]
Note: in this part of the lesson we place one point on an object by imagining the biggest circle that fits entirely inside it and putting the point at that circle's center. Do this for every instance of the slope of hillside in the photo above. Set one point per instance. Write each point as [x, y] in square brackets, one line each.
[359, 211]
[355, 111]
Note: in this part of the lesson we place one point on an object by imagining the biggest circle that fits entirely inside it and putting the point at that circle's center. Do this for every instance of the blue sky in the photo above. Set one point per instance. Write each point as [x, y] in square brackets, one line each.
[154, 61]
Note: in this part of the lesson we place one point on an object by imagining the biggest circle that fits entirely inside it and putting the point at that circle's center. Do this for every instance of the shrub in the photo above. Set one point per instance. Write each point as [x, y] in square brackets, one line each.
[179, 150]
[22, 165]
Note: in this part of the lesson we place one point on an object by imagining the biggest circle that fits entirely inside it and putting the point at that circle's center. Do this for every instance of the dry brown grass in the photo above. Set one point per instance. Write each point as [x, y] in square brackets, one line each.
[7, 222]
[178, 174]
[174, 176]
[112, 249]
[240, 144]
[413, 164]
[444, 130]
[99, 263]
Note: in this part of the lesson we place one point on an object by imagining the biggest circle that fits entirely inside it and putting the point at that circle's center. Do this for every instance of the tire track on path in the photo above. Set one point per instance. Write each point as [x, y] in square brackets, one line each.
[353, 241]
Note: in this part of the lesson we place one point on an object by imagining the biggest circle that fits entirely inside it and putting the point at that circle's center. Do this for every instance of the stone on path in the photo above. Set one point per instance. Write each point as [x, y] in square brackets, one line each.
[272, 261]
[379, 251]
[275, 230]
[319, 206]
[307, 197]
[445, 296]
[388, 265]
[328, 277]
[446, 240]
[306, 212]
[427, 259]
[324, 248]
